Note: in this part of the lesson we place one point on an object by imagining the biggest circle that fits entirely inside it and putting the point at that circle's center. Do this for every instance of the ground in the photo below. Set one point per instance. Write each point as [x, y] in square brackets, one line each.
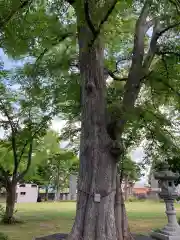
[48, 218]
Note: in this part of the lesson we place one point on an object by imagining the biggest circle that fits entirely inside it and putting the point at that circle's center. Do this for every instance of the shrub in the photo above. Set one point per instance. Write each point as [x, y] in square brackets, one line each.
[133, 199]
[178, 199]
[3, 236]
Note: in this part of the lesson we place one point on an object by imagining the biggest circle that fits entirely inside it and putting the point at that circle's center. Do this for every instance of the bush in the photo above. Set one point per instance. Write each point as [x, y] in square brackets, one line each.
[133, 199]
[3, 236]
[7, 221]
[156, 230]
[178, 199]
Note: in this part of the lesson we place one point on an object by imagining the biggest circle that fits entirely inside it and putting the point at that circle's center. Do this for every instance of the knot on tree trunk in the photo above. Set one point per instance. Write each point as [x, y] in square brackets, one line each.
[90, 87]
[116, 149]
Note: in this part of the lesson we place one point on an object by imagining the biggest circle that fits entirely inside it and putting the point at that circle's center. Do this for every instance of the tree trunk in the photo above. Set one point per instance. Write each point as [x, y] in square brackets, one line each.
[95, 218]
[122, 226]
[57, 194]
[10, 203]
[46, 194]
[125, 187]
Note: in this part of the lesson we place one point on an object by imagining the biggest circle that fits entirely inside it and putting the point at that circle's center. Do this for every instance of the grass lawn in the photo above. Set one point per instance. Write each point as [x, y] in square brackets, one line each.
[48, 218]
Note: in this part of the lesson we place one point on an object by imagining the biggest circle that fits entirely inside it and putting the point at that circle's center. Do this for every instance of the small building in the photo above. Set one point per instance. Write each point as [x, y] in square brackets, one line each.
[140, 190]
[26, 193]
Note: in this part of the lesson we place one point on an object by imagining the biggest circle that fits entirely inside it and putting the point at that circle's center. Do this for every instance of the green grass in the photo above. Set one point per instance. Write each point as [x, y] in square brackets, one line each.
[47, 218]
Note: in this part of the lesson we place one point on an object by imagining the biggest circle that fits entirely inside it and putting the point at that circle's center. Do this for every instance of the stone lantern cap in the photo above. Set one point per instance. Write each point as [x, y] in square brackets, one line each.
[165, 173]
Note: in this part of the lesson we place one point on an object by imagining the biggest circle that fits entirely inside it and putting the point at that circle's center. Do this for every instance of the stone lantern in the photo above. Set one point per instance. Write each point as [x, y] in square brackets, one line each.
[168, 193]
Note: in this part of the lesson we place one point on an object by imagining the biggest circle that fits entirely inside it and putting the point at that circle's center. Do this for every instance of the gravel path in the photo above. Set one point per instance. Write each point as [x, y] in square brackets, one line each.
[62, 236]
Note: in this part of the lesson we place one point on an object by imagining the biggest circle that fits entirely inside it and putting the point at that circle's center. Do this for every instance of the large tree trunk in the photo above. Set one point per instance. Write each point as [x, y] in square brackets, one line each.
[10, 203]
[94, 220]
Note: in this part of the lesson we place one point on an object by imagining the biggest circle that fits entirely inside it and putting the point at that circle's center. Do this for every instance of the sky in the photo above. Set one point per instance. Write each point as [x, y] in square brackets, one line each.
[58, 124]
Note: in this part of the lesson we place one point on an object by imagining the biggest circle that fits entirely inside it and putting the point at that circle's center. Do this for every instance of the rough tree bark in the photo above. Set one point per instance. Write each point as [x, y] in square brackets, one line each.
[104, 219]
[10, 203]
[94, 220]
[98, 167]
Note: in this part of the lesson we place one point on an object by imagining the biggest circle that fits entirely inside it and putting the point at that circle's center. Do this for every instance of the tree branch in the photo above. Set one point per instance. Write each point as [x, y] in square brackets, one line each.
[28, 163]
[152, 48]
[30, 139]
[176, 4]
[88, 18]
[160, 33]
[71, 2]
[108, 13]
[112, 75]
[166, 83]
[13, 136]
[138, 50]
[153, 44]
[13, 12]
[133, 83]
[63, 37]
[5, 174]
[177, 54]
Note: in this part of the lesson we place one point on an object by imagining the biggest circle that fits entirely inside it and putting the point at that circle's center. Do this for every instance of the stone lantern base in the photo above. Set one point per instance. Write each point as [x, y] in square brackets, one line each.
[162, 236]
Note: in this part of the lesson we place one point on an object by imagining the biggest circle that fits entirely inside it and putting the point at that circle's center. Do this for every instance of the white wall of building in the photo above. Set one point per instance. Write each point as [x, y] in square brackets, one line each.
[27, 193]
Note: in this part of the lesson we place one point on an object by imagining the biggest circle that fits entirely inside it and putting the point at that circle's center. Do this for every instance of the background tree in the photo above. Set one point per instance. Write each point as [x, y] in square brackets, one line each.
[40, 172]
[24, 119]
[53, 165]
[61, 164]
[130, 172]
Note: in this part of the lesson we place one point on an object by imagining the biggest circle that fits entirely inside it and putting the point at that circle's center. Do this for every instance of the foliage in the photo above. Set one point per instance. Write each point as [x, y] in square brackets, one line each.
[136, 199]
[55, 55]
[2, 211]
[61, 164]
[24, 119]
[53, 164]
[130, 169]
[3, 236]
